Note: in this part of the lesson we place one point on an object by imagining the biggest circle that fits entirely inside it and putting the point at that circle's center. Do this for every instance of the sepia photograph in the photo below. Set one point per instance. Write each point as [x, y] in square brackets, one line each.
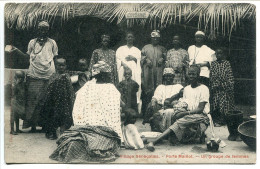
[129, 83]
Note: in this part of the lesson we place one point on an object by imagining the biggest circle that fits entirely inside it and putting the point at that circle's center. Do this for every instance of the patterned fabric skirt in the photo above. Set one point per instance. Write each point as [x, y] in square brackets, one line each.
[34, 89]
[87, 144]
[190, 128]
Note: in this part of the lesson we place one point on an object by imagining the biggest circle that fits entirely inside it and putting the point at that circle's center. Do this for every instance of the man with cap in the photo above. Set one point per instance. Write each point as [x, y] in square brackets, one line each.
[152, 64]
[201, 55]
[41, 52]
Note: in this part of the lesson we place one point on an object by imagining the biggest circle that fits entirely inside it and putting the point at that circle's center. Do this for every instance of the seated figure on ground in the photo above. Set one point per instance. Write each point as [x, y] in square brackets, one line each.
[189, 125]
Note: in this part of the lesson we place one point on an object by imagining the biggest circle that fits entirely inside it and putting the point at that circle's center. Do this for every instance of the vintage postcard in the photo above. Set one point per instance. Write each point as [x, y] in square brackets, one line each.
[130, 83]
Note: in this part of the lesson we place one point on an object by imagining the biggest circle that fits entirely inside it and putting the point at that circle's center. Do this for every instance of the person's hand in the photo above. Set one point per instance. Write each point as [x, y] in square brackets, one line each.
[153, 103]
[130, 58]
[181, 114]
[148, 62]
[167, 103]
[160, 61]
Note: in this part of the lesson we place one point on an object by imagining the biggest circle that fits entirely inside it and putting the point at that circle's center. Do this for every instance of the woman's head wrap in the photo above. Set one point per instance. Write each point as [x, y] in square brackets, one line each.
[155, 34]
[43, 24]
[99, 67]
[200, 33]
[168, 71]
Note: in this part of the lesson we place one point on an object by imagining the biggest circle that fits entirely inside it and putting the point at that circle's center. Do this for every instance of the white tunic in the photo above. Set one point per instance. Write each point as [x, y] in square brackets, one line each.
[121, 53]
[163, 92]
[193, 96]
[201, 54]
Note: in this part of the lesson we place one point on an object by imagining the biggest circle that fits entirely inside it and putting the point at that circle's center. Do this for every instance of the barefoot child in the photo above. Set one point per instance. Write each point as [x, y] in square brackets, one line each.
[18, 101]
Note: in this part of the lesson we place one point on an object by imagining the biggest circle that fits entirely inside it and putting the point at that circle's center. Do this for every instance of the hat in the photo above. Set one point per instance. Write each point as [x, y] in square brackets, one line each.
[200, 33]
[168, 71]
[43, 24]
[99, 67]
[155, 34]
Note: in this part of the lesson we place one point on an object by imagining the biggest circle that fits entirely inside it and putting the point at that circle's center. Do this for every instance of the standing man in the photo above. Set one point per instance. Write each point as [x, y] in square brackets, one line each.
[201, 55]
[41, 51]
[152, 64]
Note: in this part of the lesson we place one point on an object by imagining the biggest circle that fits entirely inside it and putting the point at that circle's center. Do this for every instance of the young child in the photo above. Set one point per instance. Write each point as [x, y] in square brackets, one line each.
[132, 138]
[18, 101]
[128, 89]
[58, 101]
[83, 74]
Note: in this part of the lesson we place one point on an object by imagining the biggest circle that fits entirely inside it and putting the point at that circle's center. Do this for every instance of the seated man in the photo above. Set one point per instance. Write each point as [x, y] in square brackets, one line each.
[163, 96]
[191, 124]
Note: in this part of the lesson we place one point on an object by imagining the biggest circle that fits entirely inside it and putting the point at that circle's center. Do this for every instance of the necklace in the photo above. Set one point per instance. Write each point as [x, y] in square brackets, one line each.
[40, 49]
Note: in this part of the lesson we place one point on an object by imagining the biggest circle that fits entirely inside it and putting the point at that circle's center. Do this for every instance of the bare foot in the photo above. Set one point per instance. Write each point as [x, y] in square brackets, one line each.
[13, 133]
[19, 131]
[150, 147]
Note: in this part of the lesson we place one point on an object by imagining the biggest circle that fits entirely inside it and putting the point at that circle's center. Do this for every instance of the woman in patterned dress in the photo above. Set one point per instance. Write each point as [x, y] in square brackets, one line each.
[177, 59]
[221, 86]
[107, 55]
[97, 133]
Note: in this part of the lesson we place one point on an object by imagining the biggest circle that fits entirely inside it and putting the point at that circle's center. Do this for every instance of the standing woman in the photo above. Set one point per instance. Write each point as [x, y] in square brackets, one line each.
[128, 56]
[201, 55]
[108, 56]
[152, 64]
[177, 59]
[222, 87]
[41, 52]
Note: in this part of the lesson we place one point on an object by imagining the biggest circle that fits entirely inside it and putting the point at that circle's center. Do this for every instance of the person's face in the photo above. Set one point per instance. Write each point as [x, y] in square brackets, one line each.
[168, 78]
[43, 31]
[155, 40]
[105, 41]
[220, 54]
[132, 120]
[176, 40]
[193, 75]
[128, 75]
[199, 39]
[83, 66]
[61, 65]
[130, 38]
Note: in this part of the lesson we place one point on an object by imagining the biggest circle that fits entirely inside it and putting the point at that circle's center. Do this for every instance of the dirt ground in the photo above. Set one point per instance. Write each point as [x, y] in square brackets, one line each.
[35, 148]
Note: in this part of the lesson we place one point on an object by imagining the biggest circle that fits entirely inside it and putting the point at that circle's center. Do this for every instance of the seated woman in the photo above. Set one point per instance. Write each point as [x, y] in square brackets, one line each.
[96, 133]
[166, 92]
[191, 124]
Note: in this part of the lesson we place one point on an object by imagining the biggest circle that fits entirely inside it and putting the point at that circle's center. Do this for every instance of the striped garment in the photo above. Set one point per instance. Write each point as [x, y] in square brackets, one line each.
[87, 144]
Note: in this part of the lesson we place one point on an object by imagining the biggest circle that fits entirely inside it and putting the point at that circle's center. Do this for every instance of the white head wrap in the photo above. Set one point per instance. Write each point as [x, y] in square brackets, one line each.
[155, 34]
[200, 33]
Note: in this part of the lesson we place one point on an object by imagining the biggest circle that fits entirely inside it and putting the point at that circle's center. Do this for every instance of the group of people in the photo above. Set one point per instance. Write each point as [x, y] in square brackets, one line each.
[96, 108]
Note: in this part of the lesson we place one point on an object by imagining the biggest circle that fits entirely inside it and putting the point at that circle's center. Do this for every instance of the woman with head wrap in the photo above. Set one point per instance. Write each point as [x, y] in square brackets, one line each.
[177, 58]
[201, 55]
[128, 57]
[163, 96]
[107, 55]
[152, 64]
[96, 133]
[41, 52]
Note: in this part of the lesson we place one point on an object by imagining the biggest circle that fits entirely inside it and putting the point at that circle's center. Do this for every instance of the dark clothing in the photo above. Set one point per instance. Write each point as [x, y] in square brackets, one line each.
[128, 90]
[82, 79]
[18, 100]
[204, 80]
[87, 143]
[57, 103]
[34, 88]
